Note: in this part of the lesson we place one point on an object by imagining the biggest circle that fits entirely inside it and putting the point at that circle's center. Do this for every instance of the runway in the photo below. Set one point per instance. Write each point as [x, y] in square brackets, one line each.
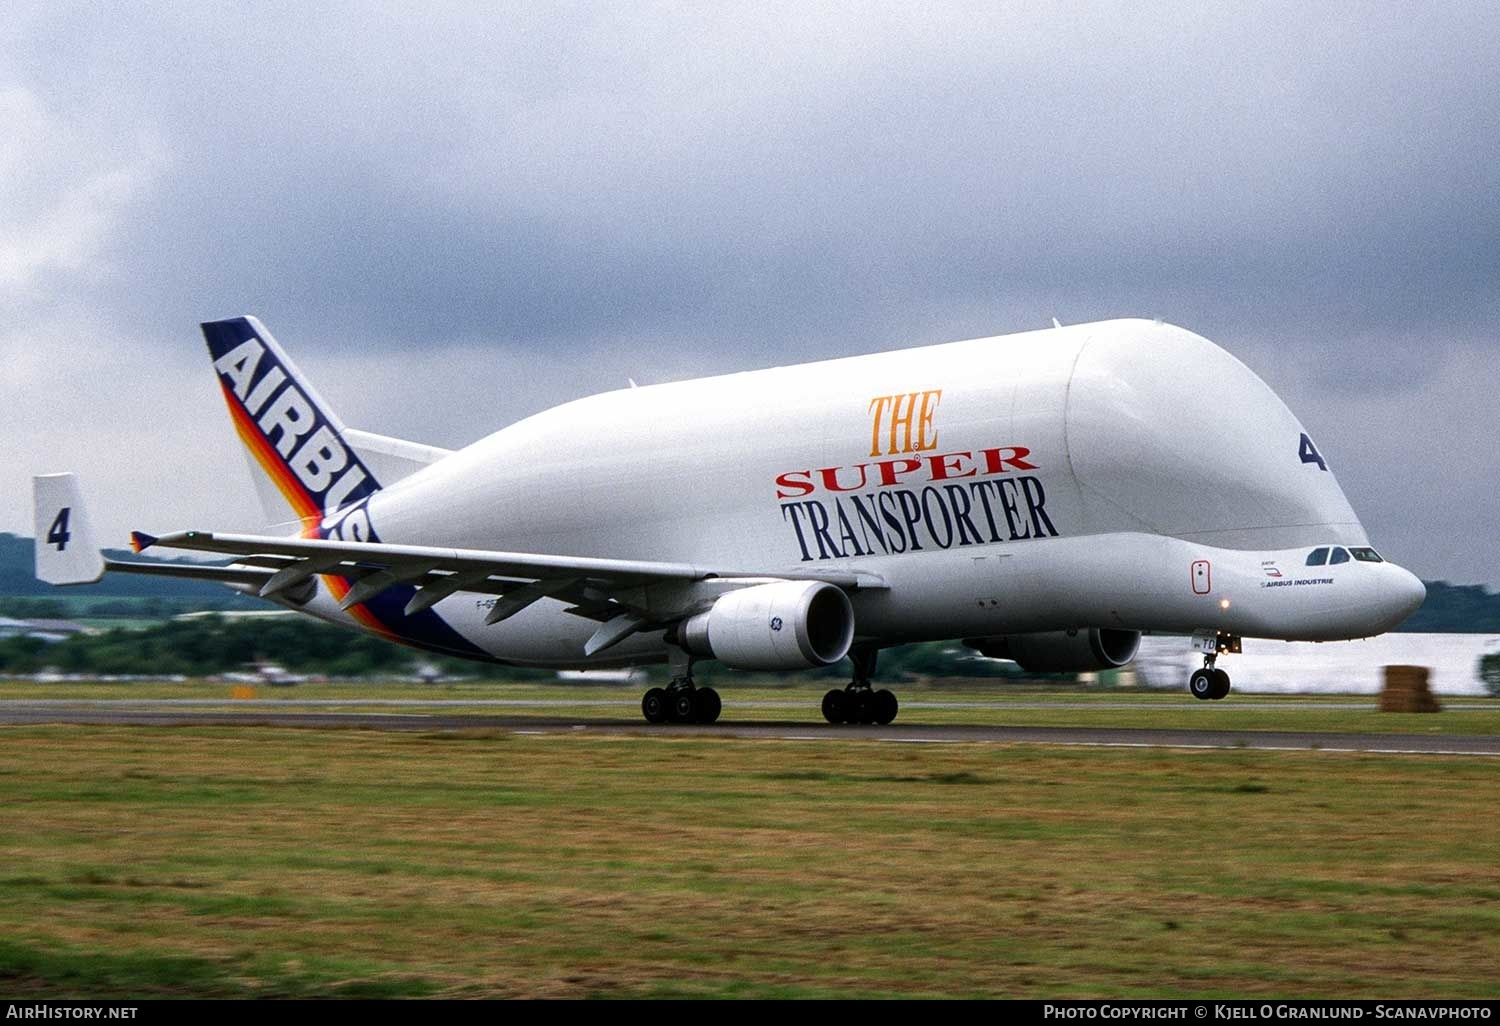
[270, 714]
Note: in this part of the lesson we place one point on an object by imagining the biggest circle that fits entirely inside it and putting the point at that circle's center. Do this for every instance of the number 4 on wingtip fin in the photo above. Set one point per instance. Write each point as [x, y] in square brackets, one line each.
[65, 548]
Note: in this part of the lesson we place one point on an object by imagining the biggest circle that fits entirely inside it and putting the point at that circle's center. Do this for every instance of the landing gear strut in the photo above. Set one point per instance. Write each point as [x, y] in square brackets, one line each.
[859, 702]
[1210, 683]
[681, 701]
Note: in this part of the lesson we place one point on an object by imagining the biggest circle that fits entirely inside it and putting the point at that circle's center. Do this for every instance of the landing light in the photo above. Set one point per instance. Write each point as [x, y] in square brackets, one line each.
[1223, 603]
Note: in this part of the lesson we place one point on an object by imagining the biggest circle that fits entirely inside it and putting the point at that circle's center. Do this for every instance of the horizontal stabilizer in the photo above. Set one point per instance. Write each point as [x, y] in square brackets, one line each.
[391, 459]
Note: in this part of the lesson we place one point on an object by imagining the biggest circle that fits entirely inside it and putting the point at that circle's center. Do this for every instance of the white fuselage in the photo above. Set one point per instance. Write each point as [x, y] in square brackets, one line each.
[1122, 474]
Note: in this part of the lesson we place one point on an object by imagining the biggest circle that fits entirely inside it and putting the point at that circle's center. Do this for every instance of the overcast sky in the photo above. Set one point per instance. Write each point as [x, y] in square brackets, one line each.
[457, 217]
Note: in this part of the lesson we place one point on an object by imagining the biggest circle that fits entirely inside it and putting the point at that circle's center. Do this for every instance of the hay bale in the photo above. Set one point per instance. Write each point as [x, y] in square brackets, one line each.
[1406, 691]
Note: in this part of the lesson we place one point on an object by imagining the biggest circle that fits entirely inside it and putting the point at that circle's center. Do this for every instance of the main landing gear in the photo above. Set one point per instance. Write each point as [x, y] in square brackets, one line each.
[859, 702]
[681, 701]
[1210, 683]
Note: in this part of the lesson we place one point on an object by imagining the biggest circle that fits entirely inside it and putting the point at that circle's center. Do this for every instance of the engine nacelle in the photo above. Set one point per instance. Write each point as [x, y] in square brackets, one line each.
[1074, 651]
[790, 625]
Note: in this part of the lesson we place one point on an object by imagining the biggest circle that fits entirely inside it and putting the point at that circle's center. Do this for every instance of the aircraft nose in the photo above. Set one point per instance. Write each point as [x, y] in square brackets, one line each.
[1404, 593]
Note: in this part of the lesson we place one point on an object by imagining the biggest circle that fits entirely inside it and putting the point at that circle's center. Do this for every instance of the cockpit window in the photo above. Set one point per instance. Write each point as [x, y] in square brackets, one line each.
[1317, 557]
[1366, 555]
[1339, 556]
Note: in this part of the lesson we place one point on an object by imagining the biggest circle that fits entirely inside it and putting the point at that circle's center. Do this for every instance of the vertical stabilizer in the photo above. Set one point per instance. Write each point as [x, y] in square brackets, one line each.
[304, 467]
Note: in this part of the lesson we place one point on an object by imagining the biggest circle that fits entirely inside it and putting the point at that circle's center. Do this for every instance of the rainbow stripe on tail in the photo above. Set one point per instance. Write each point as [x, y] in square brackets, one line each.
[303, 466]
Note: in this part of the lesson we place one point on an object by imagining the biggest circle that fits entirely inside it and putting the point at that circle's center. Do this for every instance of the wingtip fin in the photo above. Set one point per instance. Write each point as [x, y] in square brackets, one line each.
[64, 548]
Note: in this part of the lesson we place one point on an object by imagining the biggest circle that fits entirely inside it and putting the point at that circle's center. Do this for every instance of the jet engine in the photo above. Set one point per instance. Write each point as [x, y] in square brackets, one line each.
[1070, 651]
[790, 625]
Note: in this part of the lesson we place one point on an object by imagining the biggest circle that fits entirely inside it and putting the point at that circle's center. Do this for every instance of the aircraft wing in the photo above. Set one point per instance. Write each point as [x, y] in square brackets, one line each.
[621, 594]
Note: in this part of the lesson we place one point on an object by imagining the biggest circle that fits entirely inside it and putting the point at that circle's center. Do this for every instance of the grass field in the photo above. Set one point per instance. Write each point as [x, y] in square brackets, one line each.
[933, 704]
[227, 862]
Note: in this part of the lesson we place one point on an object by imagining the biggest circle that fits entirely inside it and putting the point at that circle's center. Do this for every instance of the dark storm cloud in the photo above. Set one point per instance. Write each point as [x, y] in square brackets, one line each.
[557, 177]
[660, 191]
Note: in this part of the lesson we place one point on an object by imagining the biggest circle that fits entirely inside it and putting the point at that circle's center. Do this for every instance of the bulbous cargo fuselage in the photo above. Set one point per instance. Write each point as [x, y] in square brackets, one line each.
[1126, 474]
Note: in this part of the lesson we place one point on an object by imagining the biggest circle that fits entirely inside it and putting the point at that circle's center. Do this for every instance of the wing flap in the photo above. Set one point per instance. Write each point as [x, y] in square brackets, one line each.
[512, 602]
[373, 584]
[613, 632]
[436, 587]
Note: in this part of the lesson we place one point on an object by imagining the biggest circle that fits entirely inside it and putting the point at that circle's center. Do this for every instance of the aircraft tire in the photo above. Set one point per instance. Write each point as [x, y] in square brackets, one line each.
[654, 706]
[885, 706]
[1221, 685]
[1202, 684]
[706, 705]
[681, 707]
[860, 708]
[834, 706]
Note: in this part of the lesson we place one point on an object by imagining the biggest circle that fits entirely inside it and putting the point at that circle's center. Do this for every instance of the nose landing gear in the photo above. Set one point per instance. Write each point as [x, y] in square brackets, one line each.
[1211, 683]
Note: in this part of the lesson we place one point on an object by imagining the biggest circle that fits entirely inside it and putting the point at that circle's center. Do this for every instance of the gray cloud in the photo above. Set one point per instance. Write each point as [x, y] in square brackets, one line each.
[567, 195]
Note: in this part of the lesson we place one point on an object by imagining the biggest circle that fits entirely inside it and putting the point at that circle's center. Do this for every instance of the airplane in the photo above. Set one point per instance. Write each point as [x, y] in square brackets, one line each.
[1044, 497]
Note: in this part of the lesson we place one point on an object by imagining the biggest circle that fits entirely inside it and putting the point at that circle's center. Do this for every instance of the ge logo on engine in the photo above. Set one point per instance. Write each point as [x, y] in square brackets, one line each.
[775, 623]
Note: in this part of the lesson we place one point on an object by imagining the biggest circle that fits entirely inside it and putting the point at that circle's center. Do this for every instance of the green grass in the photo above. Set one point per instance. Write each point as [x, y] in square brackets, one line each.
[217, 862]
[982, 705]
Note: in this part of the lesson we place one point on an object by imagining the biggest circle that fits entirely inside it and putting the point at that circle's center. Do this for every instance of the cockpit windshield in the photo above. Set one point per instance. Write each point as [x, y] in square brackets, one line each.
[1332, 555]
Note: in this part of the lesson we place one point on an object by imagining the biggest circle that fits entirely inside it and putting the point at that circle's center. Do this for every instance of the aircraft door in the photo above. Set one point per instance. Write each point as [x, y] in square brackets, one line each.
[993, 577]
[1202, 582]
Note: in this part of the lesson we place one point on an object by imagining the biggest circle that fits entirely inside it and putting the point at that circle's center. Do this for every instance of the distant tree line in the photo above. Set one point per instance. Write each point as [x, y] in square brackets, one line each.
[215, 645]
[205, 646]
[73, 607]
[1456, 609]
[1489, 672]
